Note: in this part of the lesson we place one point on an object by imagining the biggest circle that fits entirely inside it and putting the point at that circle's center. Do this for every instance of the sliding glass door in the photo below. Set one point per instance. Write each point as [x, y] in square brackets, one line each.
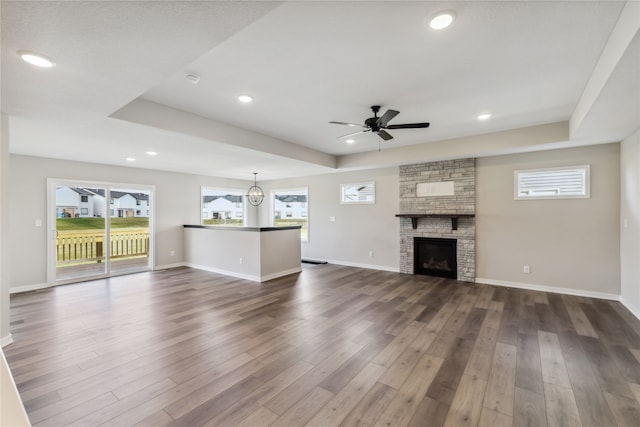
[97, 230]
[80, 232]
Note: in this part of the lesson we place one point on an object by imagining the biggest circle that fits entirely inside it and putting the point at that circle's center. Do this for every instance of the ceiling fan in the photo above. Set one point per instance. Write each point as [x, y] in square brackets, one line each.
[379, 124]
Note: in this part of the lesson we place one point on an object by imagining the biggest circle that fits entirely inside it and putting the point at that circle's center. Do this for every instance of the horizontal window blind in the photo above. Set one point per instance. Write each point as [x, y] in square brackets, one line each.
[553, 183]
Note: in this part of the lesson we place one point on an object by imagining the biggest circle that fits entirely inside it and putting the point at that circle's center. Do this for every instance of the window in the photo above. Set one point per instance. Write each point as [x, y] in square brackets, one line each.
[221, 206]
[137, 202]
[84, 199]
[552, 183]
[364, 192]
[111, 212]
[84, 211]
[138, 212]
[112, 201]
[294, 203]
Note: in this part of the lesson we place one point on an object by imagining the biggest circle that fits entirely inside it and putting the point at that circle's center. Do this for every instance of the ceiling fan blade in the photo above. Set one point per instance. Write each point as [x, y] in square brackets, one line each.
[346, 124]
[408, 126]
[354, 133]
[384, 119]
[384, 135]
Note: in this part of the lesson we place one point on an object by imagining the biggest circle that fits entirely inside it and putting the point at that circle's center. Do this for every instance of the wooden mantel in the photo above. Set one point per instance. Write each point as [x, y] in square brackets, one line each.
[454, 218]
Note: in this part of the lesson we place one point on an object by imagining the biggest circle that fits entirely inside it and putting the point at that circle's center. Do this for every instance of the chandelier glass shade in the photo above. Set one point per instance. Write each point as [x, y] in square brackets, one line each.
[255, 195]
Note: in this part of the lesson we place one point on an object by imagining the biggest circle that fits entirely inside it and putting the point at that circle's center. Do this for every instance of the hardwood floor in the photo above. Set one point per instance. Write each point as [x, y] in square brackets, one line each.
[330, 346]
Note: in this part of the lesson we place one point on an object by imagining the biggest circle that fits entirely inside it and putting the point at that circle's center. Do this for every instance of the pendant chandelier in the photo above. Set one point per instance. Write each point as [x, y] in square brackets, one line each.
[255, 195]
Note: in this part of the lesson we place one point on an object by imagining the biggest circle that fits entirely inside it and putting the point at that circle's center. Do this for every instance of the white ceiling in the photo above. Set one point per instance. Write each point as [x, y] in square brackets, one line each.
[119, 86]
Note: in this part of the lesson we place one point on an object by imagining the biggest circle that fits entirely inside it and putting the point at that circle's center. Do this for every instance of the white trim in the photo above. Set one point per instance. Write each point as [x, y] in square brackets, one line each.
[168, 266]
[633, 309]
[552, 289]
[52, 183]
[28, 288]
[259, 279]
[358, 202]
[6, 340]
[280, 274]
[368, 266]
[224, 272]
[586, 172]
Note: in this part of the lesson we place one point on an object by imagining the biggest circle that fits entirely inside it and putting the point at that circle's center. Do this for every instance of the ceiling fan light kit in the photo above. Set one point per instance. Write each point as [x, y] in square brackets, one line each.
[379, 125]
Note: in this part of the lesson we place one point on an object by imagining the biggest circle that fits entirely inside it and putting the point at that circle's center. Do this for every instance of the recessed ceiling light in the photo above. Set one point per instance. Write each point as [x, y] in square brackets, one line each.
[36, 59]
[245, 99]
[151, 153]
[130, 159]
[442, 19]
[350, 141]
[484, 116]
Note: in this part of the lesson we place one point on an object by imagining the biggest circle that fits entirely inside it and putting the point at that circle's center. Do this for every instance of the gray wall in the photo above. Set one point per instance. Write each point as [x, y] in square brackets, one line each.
[358, 229]
[571, 243]
[177, 198]
[630, 222]
[509, 233]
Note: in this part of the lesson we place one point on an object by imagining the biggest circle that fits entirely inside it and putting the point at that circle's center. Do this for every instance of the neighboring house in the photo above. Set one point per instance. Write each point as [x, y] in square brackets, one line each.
[74, 202]
[98, 202]
[128, 205]
[290, 206]
[222, 207]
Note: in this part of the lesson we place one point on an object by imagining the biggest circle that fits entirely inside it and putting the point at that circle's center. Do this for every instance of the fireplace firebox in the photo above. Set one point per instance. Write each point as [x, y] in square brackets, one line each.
[435, 257]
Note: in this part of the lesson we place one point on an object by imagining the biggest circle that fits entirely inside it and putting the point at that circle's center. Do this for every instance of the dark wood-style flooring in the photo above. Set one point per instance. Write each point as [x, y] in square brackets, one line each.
[330, 346]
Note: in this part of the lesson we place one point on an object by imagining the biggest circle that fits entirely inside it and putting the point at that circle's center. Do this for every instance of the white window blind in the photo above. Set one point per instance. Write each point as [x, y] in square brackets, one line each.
[552, 183]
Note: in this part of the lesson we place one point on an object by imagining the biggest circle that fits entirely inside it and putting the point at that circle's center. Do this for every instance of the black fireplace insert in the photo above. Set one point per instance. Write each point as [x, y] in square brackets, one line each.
[435, 257]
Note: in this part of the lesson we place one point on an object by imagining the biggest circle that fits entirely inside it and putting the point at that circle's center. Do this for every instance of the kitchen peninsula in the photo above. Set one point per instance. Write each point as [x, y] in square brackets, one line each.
[253, 253]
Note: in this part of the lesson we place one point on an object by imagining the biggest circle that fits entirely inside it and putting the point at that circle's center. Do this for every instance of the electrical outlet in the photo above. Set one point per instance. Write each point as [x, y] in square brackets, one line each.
[526, 269]
[332, 219]
[241, 261]
[172, 253]
[371, 253]
[38, 223]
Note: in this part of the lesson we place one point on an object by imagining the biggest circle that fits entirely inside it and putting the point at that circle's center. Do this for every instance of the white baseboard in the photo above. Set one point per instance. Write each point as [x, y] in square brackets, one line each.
[6, 340]
[280, 274]
[168, 266]
[225, 272]
[259, 279]
[632, 308]
[552, 289]
[28, 288]
[369, 266]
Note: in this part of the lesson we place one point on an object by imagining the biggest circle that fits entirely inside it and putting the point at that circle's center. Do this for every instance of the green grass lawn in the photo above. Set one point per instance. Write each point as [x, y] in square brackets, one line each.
[67, 224]
[285, 222]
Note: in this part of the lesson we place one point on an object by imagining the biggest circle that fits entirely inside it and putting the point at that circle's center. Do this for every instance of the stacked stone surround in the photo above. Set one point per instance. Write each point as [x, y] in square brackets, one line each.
[463, 174]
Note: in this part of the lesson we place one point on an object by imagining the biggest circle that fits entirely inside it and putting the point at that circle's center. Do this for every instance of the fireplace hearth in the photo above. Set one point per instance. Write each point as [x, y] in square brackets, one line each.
[435, 257]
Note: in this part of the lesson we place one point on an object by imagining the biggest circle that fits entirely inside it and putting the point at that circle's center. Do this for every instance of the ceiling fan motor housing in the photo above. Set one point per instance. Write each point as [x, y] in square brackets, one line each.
[371, 122]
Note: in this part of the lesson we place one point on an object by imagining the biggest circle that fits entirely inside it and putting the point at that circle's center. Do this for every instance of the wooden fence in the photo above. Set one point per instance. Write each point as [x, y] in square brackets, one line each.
[88, 245]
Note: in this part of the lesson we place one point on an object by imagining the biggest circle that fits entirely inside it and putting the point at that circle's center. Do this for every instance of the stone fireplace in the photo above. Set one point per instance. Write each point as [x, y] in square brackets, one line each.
[442, 194]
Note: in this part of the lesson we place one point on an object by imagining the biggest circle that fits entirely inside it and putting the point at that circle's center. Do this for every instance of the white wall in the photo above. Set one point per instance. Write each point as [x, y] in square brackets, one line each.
[5, 261]
[357, 229]
[177, 202]
[630, 222]
[571, 244]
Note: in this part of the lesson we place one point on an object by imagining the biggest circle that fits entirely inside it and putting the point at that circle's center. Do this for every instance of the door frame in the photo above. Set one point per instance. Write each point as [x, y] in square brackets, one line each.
[52, 183]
